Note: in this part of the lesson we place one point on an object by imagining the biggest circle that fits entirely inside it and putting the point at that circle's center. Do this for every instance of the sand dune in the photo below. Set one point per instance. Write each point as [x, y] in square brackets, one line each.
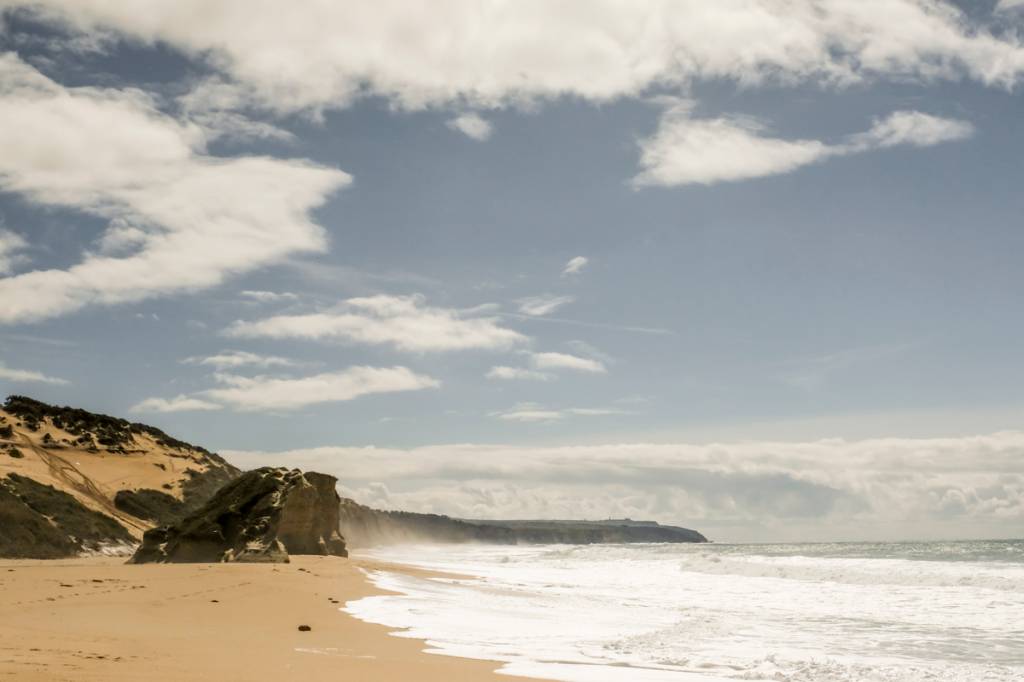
[99, 460]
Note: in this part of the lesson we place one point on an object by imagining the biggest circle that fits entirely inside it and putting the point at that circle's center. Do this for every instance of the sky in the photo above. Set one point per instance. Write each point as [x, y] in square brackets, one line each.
[750, 266]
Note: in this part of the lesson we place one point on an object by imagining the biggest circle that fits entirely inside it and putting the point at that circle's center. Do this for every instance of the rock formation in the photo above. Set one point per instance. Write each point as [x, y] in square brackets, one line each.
[261, 516]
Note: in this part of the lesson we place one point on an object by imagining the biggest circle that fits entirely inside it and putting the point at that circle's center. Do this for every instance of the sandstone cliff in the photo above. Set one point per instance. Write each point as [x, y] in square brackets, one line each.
[261, 516]
[72, 481]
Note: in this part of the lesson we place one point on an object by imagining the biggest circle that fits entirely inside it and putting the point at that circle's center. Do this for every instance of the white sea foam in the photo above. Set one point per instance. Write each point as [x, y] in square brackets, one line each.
[794, 613]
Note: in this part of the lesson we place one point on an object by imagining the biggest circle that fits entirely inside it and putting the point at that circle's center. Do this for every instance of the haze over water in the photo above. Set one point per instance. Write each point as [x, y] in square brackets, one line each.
[844, 612]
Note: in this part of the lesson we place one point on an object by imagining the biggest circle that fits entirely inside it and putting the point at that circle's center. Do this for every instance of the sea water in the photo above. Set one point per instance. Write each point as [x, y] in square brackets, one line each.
[894, 612]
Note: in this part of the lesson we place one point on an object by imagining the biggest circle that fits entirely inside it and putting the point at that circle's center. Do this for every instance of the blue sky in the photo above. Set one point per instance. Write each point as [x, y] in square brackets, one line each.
[552, 233]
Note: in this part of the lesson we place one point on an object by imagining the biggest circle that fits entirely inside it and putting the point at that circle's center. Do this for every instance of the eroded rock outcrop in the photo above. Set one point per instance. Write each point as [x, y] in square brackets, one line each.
[262, 516]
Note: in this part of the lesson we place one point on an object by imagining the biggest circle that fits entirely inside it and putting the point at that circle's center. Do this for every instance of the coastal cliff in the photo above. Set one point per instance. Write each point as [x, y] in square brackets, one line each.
[261, 516]
[363, 526]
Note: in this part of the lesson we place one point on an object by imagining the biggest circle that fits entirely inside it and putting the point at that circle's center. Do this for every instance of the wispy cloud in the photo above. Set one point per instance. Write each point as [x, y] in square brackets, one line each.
[543, 305]
[11, 246]
[270, 394]
[810, 373]
[238, 358]
[589, 350]
[518, 373]
[404, 322]
[28, 376]
[215, 106]
[179, 403]
[687, 150]
[269, 296]
[471, 125]
[534, 412]
[544, 363]
[594, 325]
[575, 265]
[551, 360]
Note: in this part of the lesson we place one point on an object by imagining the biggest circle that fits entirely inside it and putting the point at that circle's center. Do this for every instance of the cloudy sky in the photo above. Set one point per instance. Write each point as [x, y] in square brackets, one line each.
[751, 266]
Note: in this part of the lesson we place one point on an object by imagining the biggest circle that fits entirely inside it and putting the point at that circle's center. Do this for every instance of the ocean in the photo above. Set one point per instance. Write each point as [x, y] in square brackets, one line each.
[844, 612]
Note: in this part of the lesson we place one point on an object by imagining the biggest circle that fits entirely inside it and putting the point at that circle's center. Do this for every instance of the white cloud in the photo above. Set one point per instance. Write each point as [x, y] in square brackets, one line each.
[233, 126]
[566, 361]
[24, 375]
[881, 488]
[487, 54]
[268, 393]
[517, 373]
[213, 104]
[179, 403]
[533, 412]
[238, 358]
[911, 128]
[686, 150]
[471, 125]
[186, 220]
[269, 296]
[549, 361]
[529, 414]
[1009, 5]
[10, 246]
[575, 265]
[543, 305]
[589, 350]
[404, 322]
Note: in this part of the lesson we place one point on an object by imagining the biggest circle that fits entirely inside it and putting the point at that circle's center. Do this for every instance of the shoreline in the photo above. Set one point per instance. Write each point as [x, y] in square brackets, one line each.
[98, 618]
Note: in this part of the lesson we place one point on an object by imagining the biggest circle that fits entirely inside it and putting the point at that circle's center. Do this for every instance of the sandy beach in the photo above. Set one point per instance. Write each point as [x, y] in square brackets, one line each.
[100, 619]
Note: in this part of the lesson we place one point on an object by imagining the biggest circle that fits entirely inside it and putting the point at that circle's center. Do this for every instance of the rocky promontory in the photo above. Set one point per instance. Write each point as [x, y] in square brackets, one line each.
[367, 527]
[262, 516]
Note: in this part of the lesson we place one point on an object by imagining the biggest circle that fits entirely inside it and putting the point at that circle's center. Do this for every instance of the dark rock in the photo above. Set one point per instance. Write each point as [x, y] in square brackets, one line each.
[152, 505]
[304, 628]
[200, 486]
[262, 516]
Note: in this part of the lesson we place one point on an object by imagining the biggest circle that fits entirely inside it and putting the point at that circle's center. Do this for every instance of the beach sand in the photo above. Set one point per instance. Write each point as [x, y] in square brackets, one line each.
[100, 619]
